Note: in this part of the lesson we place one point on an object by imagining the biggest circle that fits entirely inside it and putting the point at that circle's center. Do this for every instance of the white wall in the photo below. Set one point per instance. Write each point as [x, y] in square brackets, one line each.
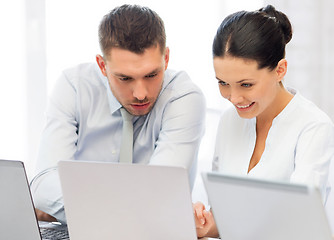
[12, 82]
[23, 79]
[36, 87]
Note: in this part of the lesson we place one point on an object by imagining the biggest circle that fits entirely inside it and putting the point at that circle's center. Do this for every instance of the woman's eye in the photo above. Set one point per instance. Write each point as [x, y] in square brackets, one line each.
[222, 83]
[247, 85]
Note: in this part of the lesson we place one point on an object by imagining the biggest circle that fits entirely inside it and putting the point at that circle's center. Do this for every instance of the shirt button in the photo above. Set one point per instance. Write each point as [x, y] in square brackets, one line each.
[113, 151]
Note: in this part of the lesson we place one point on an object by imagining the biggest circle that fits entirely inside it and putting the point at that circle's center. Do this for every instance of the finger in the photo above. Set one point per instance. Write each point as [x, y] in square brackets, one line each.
[211, 224]
[199, 208]
[209, 217]
[198, 223]
[198, 220]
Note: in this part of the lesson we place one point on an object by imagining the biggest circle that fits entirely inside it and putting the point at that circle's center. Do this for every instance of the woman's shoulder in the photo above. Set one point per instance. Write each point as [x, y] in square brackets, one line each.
[309, 111]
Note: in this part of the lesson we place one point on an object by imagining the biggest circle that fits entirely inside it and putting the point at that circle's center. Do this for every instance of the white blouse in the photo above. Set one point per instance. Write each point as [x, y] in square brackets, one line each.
[298, 148]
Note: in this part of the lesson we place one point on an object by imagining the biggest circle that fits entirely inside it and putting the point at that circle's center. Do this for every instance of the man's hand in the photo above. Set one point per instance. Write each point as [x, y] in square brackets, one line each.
[205, 223]
[42, 216]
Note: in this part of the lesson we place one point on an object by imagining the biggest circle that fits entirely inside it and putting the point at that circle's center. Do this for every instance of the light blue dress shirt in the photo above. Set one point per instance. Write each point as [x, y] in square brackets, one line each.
[84, 123]
[299, 145]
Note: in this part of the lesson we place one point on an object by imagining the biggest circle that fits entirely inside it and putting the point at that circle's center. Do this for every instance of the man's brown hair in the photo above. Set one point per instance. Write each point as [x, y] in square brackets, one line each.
[131, 27]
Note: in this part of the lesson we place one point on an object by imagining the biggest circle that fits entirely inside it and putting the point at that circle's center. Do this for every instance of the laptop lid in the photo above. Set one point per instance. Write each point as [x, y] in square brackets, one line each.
[252, 209]
[126, 201]
[17, 215]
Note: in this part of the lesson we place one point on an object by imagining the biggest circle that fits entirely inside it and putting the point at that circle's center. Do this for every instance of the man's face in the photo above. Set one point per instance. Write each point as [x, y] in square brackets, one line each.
[135, 79]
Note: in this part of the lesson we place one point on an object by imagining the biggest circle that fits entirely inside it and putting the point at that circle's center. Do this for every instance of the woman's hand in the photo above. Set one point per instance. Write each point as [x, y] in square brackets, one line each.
[205, 223]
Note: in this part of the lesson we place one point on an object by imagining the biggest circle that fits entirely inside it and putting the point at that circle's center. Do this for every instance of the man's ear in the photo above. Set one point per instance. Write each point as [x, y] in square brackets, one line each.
[166, 57]
[102, 64]
[281, 69]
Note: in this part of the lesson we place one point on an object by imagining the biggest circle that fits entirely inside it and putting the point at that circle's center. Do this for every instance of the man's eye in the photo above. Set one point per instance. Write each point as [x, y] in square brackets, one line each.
[124, 78]
[151, 75]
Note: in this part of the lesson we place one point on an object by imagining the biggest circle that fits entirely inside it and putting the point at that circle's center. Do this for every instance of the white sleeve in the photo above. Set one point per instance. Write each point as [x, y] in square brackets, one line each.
[59, 138]
[58, 142]
[182, 128]
[314, 152]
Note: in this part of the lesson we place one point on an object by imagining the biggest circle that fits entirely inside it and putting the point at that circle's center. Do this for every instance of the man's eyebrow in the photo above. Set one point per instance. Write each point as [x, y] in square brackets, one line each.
[126, 76]
[154, 71]
[121, 75]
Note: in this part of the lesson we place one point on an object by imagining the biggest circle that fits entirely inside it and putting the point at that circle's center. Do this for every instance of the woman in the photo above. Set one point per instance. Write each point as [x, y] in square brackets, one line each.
[271, 132]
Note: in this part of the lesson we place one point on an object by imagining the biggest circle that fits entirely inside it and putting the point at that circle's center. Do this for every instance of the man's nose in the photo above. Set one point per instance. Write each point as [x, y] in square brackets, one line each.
[140, 90]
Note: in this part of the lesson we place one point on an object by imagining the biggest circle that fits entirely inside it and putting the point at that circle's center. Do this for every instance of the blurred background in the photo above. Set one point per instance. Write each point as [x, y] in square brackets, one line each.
[39, 38]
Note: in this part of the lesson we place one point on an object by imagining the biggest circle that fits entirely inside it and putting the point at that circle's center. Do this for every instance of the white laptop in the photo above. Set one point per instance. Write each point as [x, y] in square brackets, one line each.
[126, 201]
[252, 209]
[17, 214]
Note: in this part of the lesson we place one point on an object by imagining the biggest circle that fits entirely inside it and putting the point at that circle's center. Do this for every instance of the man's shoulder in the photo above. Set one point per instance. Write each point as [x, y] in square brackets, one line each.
[179, 82]
[84, 73]
[179, 89]
[81, 67]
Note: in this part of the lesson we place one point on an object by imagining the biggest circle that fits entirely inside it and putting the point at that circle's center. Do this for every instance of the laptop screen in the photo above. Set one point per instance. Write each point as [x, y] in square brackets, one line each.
[126, 201]
[254, 209]
[17, 216]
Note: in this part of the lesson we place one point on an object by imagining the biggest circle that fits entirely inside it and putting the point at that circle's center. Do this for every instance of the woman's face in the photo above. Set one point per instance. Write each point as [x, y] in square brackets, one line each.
[253, 92]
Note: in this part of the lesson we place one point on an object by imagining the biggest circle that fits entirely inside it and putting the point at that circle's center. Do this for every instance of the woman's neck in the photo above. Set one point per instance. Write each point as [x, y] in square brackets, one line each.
[280, 102]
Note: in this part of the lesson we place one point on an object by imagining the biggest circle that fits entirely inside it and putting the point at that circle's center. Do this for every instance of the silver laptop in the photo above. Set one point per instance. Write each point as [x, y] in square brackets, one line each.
[252, 209]
[17, 214]
[126, 201]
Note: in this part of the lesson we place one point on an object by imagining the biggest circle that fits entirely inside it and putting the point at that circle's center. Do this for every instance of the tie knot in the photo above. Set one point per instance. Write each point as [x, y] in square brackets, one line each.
[126, 115]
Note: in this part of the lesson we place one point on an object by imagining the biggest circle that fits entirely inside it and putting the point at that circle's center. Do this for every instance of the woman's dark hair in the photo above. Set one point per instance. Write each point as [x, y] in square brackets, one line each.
[131, 27]
[258, 35]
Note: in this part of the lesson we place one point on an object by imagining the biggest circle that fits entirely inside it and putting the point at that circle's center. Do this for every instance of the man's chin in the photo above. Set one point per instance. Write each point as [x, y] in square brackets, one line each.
[139, 112]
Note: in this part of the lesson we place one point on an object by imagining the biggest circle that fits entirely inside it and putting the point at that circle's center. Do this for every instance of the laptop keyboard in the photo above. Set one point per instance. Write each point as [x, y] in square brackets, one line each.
[54, 234]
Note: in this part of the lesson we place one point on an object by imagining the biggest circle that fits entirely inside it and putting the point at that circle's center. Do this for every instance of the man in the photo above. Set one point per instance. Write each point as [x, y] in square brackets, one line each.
[84, 120]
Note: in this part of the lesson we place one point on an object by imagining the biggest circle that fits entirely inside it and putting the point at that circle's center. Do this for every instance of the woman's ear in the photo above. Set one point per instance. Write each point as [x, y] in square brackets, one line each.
[281, 69]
